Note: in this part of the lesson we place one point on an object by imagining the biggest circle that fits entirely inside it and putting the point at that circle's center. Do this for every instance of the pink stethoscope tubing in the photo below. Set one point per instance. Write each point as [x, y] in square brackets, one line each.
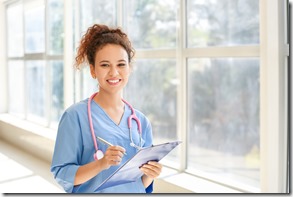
[98, 153]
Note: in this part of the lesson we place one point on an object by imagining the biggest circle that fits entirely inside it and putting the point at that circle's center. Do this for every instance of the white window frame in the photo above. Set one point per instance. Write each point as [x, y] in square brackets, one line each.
[274, 50]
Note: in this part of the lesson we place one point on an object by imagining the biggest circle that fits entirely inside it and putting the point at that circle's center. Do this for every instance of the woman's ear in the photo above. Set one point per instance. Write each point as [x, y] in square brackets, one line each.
[92, 70]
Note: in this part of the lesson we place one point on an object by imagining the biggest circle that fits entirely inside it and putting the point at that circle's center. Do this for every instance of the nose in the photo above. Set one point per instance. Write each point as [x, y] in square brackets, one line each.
[113, 71]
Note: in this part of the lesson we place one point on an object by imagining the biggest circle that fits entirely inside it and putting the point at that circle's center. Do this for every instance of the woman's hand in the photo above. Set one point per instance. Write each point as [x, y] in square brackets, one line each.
[151, 170]
[112, 156]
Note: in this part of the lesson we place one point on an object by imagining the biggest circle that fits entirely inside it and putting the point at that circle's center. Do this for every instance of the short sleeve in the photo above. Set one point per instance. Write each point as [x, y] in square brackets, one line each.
[67, 151]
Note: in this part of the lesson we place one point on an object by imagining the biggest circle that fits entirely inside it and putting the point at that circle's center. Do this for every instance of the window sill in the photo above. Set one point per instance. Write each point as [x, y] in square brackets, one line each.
[29, 126]
[33, 138]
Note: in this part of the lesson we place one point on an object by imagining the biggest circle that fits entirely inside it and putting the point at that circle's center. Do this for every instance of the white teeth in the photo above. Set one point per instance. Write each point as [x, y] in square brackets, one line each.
[114, 81]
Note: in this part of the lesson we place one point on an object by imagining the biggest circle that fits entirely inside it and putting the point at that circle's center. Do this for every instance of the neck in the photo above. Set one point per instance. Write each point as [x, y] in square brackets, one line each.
[106, 100]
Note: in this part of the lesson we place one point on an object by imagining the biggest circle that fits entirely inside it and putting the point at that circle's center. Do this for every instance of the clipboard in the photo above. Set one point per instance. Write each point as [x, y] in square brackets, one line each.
[130, 172]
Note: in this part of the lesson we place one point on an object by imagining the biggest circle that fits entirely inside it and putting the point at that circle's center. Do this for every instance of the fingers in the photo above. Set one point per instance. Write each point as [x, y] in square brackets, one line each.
[152, 169]
[116, 150]
[114, 155]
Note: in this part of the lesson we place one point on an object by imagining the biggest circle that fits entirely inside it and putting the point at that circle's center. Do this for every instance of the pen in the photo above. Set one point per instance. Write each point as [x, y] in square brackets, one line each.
[106, 142]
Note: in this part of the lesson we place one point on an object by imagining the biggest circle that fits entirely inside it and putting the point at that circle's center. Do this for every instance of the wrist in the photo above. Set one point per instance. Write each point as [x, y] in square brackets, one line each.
[146, 180]
[101, 165]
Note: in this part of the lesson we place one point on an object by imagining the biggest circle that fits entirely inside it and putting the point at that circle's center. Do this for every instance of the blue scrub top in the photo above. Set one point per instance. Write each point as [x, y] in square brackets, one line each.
[74, 146]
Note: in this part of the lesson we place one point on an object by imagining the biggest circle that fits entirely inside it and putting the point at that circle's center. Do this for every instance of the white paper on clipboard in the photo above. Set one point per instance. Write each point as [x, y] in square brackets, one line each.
[130, 172]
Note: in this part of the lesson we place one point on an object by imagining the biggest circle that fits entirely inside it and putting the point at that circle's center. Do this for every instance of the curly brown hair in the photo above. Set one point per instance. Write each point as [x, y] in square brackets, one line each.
[96, 37]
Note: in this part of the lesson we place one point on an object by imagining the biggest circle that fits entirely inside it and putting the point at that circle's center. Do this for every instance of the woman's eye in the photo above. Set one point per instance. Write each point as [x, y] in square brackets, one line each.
[104, 65]
[122, 64]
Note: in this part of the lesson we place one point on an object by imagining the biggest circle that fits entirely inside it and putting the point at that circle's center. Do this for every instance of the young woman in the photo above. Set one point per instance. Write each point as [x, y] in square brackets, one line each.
[77, 165]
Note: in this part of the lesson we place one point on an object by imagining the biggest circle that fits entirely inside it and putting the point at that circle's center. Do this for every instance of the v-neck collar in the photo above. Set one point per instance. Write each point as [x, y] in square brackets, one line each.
[121, 119]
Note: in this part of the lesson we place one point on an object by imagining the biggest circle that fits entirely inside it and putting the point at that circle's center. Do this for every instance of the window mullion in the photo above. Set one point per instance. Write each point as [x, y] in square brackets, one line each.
[119, 16]
[272, 96]
[68, 53]
[48, 83]
[182, 86]
[24, 64]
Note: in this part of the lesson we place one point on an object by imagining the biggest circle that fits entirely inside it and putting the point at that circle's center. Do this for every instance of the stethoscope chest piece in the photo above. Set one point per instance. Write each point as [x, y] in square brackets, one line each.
[98, 155]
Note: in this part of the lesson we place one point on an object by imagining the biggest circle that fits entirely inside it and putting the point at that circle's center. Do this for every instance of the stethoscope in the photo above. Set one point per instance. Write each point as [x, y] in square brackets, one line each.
[98, 153]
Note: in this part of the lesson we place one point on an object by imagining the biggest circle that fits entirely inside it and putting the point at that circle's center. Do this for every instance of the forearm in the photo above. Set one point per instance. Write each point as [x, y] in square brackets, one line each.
[113, 156]
[88, 171]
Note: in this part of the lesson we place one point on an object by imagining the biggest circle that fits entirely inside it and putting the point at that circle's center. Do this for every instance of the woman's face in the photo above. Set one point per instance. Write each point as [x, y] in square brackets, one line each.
[111, 68]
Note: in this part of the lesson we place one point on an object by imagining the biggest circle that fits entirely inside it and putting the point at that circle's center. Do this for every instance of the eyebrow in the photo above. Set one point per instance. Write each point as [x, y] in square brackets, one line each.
[103, 61]
[106, 61]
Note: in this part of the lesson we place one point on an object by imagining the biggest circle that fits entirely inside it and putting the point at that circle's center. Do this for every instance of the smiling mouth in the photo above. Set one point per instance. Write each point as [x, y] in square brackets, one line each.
[113, 81]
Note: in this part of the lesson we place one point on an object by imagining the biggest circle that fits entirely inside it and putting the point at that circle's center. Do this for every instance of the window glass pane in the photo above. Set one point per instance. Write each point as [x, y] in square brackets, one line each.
[97, 11]
[36, 91]
[55, 27]
[152, 24]
[34, 15]
[15, 30]
[57, 91]
[225, 22]
[16, 87]
[223, 119]
[152, 90]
